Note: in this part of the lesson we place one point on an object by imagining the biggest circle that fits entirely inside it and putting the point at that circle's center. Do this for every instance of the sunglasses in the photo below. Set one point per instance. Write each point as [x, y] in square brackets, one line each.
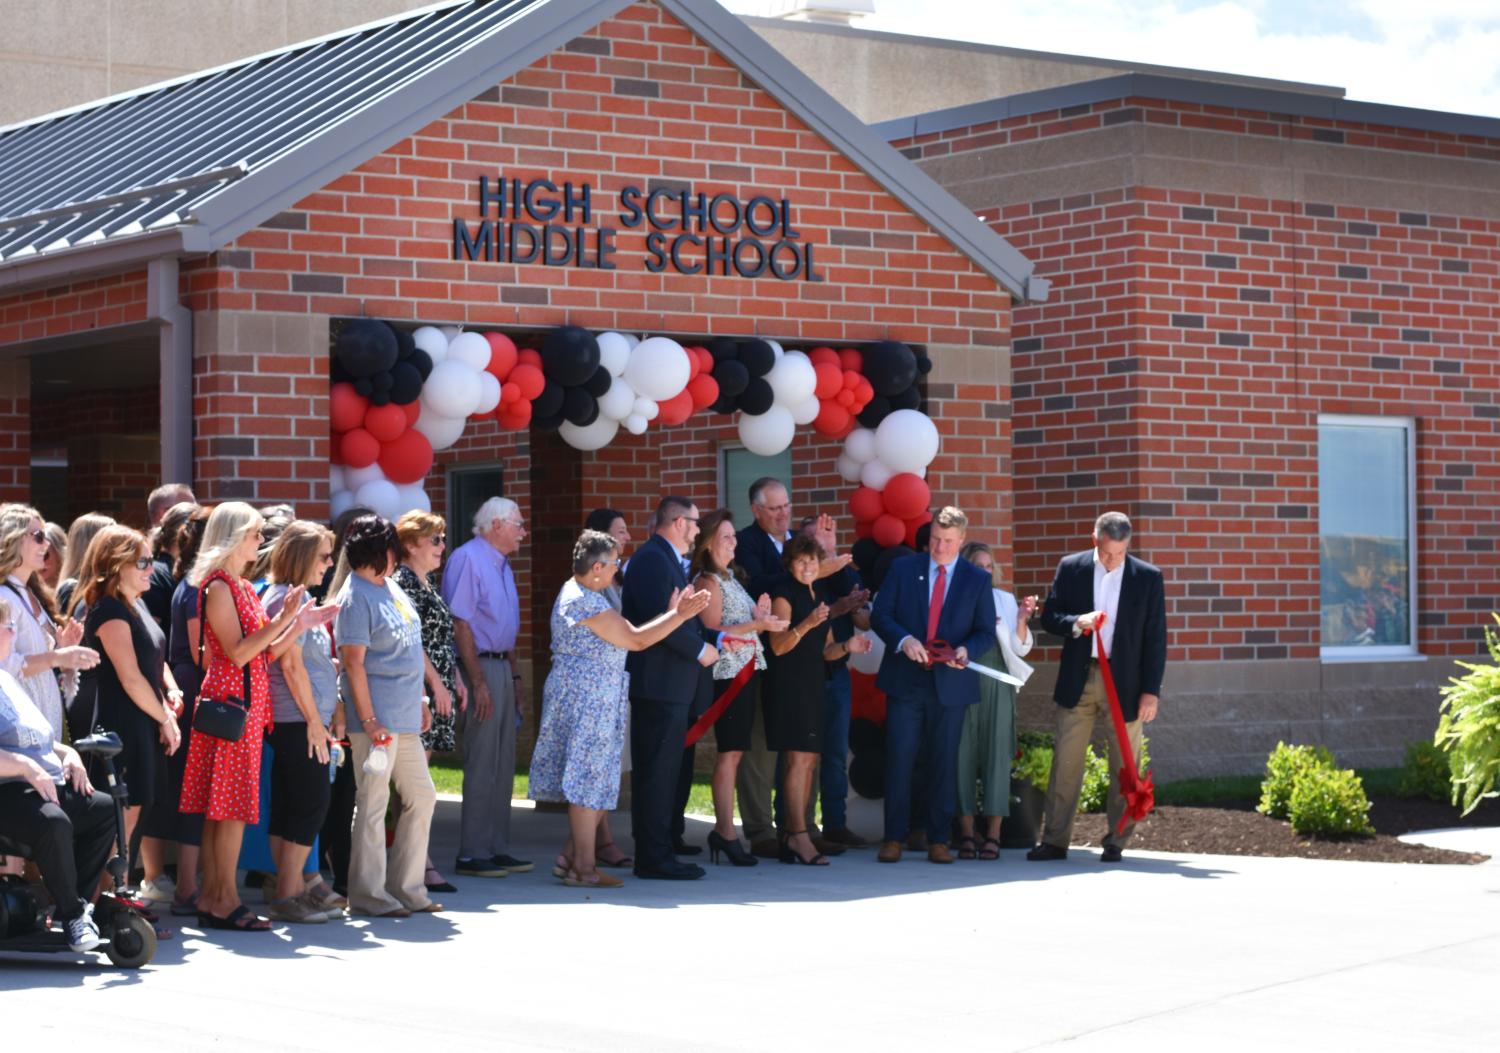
[144, 563]
[39, 536]
[438, 540]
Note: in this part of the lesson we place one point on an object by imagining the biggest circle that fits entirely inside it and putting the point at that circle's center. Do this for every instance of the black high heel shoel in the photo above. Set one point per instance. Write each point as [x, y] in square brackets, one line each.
[730, 847]
[791, 855]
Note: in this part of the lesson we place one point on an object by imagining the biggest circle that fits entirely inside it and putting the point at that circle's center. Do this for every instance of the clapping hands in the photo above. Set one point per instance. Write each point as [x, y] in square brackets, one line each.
[687, 602]
[859, 643]
[852, 602]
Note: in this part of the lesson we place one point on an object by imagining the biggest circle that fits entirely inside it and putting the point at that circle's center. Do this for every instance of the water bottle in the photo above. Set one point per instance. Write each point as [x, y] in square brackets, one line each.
[379, 759]
[335, 759]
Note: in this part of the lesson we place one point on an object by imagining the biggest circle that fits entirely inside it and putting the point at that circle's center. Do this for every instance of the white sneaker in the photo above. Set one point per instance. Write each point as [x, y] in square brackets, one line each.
[83, 934]
[161, 890]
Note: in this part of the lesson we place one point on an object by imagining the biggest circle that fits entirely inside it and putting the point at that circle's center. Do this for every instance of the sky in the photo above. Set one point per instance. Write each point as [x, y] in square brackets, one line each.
[1432, 54]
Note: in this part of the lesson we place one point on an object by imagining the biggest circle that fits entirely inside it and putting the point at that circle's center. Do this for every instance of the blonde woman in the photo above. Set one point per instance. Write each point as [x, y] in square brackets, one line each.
[80, 533]
[44, 647]
[222, 778]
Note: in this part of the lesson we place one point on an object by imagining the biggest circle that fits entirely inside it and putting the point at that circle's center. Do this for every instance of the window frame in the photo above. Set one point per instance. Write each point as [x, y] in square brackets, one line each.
[1378, 652]
[465, 529]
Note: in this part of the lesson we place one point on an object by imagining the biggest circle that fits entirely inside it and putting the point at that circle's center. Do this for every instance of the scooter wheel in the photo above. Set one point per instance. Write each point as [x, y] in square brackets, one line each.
[132, 943]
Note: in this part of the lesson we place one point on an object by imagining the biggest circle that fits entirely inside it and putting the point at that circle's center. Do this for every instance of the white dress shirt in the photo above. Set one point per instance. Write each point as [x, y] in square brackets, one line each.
[1107, 599]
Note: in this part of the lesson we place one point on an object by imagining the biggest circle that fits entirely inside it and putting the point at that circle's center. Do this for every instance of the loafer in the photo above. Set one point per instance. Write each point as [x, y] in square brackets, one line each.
[1111, 855]
[939, 853]
[1044, 853]
[890, 852]
[479, 868]
[511, 865]
[671, 870]
[842, 835]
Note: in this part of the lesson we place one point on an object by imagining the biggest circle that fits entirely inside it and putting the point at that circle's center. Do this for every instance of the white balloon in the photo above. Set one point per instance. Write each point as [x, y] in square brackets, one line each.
[412, 498]
[860, 444]
[806, 411]
[614, 352]
[489, 393]
[381, 496]
[431, 339]
[659, 368]
[471, 349]
[336, 479]
[906, 440]
[354, 478]
[631, 339]
[875, 475]
[449, 332]
[451, 390]
[849, 468]
[635, 424]
[647, 409]
[339, 503]
[768, 433]
[792, 378]
[441, 431]
[590, 436]
[618, 402]
[776, 348]
[869, 661]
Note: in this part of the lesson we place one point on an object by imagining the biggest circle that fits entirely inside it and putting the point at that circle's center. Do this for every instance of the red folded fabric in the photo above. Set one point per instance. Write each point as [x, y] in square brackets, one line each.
[702, 724]
[1138, 790]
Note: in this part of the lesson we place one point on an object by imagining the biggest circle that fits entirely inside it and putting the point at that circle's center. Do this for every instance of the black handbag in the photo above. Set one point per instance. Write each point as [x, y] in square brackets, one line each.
[221, 718]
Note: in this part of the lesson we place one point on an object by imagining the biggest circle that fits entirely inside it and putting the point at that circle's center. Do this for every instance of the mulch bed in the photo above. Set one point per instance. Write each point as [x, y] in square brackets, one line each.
[1237, 829]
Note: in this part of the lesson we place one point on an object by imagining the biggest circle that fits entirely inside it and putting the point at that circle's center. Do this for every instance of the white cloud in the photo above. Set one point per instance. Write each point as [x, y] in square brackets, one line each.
[1435, 54]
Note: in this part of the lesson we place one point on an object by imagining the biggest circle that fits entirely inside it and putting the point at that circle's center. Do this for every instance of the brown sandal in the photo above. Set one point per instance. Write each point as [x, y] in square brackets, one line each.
[990, 849]
[593, 879]
[966, 848]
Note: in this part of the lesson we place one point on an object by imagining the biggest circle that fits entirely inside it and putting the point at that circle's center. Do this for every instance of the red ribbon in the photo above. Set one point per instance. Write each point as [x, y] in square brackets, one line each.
[1139, 791]
[715, 711]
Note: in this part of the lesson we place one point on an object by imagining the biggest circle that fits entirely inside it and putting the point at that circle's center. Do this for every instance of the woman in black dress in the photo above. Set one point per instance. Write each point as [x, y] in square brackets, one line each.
[137, 697]
[793, 695]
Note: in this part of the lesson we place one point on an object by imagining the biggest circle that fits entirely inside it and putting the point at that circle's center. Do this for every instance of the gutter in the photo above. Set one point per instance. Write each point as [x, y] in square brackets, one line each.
[175, 337]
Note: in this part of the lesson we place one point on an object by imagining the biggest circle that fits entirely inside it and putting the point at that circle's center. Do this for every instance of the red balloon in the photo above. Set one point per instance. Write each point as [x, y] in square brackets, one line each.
[704, 390]
[413, 410]
[360, 448]
[851, 359]
[676, 409]
[408, 459]
[850, 380]
[906, 496]
[913, 525]
[888, 531]
[865, 392]
[529, 379]
[516, 416]
[865, 504]
[863, 528]
[510, 392]
[528, 357]
[830, 379]
[818, 355]
[705, 359]
[346, 407]
[832, 419]
[843, 398]
[386, 422]
[502, 355]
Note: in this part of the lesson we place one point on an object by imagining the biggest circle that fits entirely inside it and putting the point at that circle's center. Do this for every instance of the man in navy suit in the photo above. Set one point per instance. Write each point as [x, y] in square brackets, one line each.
[664, 680]
[929, 597]
[1131, 597]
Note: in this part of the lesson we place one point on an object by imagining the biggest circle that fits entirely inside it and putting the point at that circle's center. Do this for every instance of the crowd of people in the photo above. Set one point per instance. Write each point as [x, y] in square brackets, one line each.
[240, 653]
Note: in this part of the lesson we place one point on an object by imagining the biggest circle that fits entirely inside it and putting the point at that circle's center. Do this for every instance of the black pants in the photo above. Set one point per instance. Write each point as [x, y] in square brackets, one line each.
[69, 841]
[300, 789]
[684, 787]
[335, 839]
[656, 733]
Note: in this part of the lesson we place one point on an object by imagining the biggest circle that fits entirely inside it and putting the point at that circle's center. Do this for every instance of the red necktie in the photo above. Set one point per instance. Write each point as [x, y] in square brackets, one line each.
[935, 607]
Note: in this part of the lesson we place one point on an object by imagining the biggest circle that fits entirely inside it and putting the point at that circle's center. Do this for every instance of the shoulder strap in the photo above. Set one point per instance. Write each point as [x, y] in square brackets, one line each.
[203, 623]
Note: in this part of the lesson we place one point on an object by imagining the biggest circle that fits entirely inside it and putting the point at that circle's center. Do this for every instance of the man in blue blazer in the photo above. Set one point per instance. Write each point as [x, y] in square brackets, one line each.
[664, 680]
[1131, 596]
[935, 596]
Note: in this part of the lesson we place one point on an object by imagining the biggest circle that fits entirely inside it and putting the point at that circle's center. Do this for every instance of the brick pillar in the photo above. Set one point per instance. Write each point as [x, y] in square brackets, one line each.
[260, 404]
[15, 430]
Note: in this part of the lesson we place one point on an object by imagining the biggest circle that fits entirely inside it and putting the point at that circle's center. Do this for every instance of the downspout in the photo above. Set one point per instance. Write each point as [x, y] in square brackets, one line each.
[175, 351]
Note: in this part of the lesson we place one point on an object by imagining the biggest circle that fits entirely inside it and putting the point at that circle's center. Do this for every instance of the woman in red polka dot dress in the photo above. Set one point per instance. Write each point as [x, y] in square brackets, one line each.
[221, 779]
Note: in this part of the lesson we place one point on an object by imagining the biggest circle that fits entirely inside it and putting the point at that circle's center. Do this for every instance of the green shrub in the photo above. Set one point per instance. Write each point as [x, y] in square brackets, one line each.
[1469, 729]
[1034, 765]
[1283, 768]
[1330, 802]
[1095, 795]
[1424, 773]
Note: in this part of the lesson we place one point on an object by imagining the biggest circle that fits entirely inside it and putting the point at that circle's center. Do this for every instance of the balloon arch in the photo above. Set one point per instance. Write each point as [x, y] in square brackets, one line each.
[398, 396]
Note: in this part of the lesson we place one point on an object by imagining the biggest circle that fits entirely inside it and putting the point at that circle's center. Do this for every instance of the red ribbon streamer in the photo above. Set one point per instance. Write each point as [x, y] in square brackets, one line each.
[1139, 791]
[715, 711]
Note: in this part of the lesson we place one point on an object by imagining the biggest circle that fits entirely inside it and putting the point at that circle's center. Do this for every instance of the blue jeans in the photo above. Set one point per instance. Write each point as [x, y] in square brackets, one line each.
[834, 777]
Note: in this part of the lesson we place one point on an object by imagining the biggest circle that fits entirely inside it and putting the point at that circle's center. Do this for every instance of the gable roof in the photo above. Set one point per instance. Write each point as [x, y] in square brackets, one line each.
[189, 165]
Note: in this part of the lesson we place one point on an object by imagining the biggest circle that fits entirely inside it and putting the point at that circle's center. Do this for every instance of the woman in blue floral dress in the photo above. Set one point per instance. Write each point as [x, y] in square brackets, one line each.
[585, 702]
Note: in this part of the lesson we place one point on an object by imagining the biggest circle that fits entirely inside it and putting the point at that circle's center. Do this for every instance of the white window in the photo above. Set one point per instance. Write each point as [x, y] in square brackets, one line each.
[1367, 522]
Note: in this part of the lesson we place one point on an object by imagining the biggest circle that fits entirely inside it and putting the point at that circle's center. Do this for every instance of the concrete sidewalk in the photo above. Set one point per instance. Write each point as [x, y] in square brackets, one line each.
[1167, 951]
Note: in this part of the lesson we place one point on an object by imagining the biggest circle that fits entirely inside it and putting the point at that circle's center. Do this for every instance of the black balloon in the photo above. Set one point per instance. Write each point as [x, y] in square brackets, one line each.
[731, 377]
[757, 397]
[599, 383]
[337, 372]
[382, 381]
[890, 367]
[865, 551]
[579, 407]
[724, 349]
[865, 734]
[422, 361]
[724, 404]
[406, 382]
[551, 423]
[570, 355]
[867, 773]
[380, 398]
[366, 347]
[757, 357]
[883, 564]
[906, 398]
[550, 402]
[405, 345]
[364, 386]
[875, 411]
[924, 365]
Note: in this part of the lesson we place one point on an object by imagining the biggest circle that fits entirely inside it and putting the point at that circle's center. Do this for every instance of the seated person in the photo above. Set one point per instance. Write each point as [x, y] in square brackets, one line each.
[48, 805]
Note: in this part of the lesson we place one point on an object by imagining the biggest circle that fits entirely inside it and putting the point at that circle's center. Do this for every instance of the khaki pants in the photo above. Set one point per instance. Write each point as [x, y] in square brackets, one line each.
[378, 885]
[1074, 728]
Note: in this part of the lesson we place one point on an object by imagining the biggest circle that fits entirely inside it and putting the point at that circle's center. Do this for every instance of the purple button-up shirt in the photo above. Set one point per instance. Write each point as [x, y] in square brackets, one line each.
[480, 588]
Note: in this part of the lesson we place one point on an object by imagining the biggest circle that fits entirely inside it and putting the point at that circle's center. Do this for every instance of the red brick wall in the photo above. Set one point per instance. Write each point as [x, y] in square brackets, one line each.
[73, 308]
[1191, 342]
[15, 430]
[113, 450]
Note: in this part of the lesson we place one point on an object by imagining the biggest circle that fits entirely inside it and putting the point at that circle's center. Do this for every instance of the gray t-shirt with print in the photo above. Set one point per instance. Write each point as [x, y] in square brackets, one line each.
[382, 619]
[317, 657]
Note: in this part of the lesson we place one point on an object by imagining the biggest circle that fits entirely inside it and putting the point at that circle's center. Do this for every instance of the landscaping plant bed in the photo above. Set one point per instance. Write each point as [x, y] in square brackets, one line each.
[1237, 829]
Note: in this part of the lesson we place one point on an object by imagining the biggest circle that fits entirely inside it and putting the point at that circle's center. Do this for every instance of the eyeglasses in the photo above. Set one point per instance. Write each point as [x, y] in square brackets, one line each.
[144, 563]
[690, 519]
[438, 540]
[777, 508]
[516, 523]
[39, 536]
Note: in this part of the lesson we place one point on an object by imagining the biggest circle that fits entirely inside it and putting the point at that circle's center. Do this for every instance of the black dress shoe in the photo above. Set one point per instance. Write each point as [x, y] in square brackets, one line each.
[682, 848]
[1044, 852]
[671, 870]
[1111, 855]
